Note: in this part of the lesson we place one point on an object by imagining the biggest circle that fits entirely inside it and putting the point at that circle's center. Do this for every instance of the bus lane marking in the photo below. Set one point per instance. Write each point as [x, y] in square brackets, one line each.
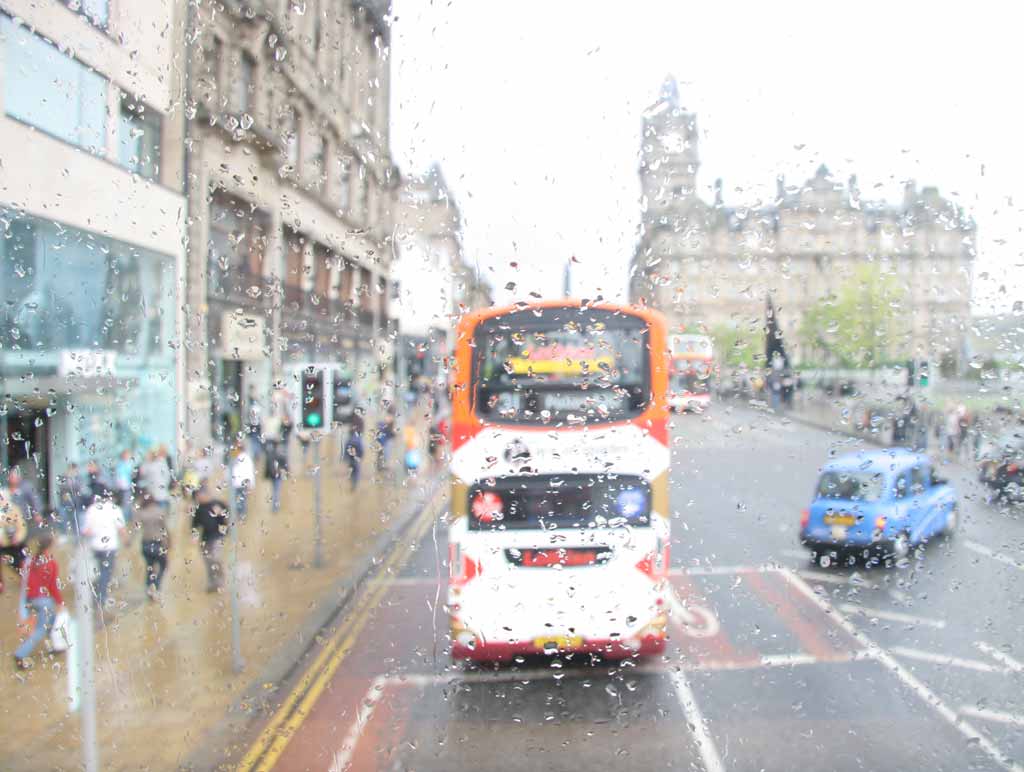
[887, 660]
[1014, 665]
[946, 660]
[854, 609]
[695, 718]
[283, 725]
[998, 716]
[364, 711]
[988, 552]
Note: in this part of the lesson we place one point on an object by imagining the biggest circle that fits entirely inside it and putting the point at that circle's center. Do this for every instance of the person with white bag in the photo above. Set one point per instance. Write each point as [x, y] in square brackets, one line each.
[40, 597]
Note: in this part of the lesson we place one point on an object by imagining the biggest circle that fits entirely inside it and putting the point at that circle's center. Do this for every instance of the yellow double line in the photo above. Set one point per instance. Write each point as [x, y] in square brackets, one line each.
[274, 738]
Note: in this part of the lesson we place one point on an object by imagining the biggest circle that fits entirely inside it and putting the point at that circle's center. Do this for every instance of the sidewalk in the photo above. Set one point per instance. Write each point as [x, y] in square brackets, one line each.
[164, 669]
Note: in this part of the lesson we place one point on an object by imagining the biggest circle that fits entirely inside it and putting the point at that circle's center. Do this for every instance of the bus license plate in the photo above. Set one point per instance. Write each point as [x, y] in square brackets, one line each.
[839, 532]
[558, 642]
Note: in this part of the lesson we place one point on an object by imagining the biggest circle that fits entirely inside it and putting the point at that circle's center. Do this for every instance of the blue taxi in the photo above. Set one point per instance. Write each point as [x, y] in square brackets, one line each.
[877, 503]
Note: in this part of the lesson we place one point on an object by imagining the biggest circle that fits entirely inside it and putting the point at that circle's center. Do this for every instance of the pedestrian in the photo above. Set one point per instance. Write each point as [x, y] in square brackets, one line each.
[209, 526]
[354, 455]
[243, 480]
[156, 542]
[276, 471]
[104, 528]
[952, 432]
[42, 597]
[95, 481]
[411, 441]
[155, 479]
[385, 433]
[124, 473]
[25, 496]
[305, 438]
[71, 500]
[13, 535]
[255, 426]
[435, 443]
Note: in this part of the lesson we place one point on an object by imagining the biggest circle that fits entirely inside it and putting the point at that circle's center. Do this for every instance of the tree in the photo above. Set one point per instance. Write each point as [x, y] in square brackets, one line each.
[862, 325]
[736, 345]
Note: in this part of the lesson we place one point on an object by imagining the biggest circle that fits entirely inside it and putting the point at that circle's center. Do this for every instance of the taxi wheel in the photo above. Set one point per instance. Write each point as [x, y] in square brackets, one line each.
[952, 520]
[901, 546]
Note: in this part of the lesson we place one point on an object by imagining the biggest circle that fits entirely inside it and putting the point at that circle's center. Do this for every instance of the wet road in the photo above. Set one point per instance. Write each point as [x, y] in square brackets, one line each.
[771, 663]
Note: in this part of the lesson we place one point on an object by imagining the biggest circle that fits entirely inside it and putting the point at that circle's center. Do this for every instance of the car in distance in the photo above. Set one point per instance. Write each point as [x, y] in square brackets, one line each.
[877, 504]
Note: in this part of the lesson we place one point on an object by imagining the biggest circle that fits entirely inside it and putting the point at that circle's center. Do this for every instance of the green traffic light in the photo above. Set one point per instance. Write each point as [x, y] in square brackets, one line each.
[313, 419]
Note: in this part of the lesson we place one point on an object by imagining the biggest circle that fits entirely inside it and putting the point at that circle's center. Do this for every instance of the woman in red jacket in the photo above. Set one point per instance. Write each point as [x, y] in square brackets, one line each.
[42, 596]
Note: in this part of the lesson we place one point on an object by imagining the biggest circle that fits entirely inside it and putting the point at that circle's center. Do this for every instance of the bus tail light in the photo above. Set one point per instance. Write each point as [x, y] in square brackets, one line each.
[880, 522]
[487, 507]
[805, 518]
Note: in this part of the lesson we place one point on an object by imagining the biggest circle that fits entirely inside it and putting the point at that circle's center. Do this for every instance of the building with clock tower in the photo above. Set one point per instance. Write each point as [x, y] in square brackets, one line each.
[709, 265]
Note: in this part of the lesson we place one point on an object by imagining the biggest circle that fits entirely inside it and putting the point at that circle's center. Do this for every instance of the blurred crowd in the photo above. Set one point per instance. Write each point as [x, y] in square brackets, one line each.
[107, 507]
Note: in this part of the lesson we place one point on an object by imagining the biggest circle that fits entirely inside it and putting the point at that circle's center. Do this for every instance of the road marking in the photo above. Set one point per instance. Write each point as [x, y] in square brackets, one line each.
[801, 554]
[695, 620]
[909, 680]
[722, 570]
[274, 738]
[981, 549]
[892, 616]
[1000, 717]
[365, 709]
[817, 576]
[943, 659]
[694, 717]
[1009, 662]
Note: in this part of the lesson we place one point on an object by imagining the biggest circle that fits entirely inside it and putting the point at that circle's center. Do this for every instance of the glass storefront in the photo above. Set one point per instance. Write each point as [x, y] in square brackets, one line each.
[93, 317]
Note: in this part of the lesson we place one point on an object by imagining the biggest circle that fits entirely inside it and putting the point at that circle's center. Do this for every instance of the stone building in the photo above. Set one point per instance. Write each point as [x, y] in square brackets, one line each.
[434, 282]
[92, 224]
[291, 187]
[715, 263]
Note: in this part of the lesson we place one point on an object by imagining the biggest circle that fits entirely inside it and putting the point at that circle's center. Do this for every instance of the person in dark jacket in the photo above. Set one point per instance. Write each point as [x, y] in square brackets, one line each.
[210, 526]
[156, 541]
[276, 471]
[354, 456]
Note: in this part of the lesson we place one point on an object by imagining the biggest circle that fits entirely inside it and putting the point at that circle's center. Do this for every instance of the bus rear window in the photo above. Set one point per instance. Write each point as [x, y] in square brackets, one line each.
[562, 365]
[560, 501]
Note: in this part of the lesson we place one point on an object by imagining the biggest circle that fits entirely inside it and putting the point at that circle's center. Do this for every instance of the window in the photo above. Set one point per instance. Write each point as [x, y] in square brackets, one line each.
[238, 243]
[51, 91]
[290, 126]
[918, 480]
[96, 11]
[138, 140]
[342, 180]
[317, 154]
[242, 86]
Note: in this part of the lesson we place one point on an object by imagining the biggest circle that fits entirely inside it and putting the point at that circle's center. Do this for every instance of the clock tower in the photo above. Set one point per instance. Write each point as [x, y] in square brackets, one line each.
[669, 159]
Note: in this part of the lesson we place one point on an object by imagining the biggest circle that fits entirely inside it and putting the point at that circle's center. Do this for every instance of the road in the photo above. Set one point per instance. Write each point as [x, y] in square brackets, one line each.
[771, 664]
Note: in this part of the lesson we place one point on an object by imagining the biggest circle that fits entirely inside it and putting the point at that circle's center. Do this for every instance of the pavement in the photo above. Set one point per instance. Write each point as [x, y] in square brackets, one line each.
[772, 663]
[166, 692]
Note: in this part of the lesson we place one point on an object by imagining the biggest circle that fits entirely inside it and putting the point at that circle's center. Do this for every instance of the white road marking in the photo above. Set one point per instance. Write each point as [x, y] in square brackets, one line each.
[693, 619]
[981, 549]
[998, 716]
[909, 680]
[722, 570]
[1012, 664]
[801, 554]
[893, 616]
[817, 576]
[343, 756]
[899, 597]
[694, 717]
[942, 659]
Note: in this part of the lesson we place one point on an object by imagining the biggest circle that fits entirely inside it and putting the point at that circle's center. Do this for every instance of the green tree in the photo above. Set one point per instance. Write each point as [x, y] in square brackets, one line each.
[737, 345]
[863, 325]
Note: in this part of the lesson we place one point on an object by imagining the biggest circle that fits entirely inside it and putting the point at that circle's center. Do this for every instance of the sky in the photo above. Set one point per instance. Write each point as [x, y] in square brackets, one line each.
[533, 109]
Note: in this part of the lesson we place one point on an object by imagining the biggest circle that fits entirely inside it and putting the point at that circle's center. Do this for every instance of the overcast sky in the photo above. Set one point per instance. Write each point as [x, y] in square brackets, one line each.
[533, 109]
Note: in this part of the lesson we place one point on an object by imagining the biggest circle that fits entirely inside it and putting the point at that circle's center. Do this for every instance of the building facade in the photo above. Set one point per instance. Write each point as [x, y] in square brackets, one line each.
[92, 210]
[433, 282]
[292, 188]
[714, 264]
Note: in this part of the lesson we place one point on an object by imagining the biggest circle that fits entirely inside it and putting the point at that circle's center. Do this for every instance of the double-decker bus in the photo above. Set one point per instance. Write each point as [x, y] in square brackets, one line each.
[559, 540]
[691, 373]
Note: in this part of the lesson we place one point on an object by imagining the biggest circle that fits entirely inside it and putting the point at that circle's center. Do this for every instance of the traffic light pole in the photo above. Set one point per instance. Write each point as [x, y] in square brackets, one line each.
[318, 538]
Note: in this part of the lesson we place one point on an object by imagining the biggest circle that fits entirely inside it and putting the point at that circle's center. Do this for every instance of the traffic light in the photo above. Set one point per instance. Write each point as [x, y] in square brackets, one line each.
[923, 377]
[313, 398]
[343, 403]
[910, 372]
